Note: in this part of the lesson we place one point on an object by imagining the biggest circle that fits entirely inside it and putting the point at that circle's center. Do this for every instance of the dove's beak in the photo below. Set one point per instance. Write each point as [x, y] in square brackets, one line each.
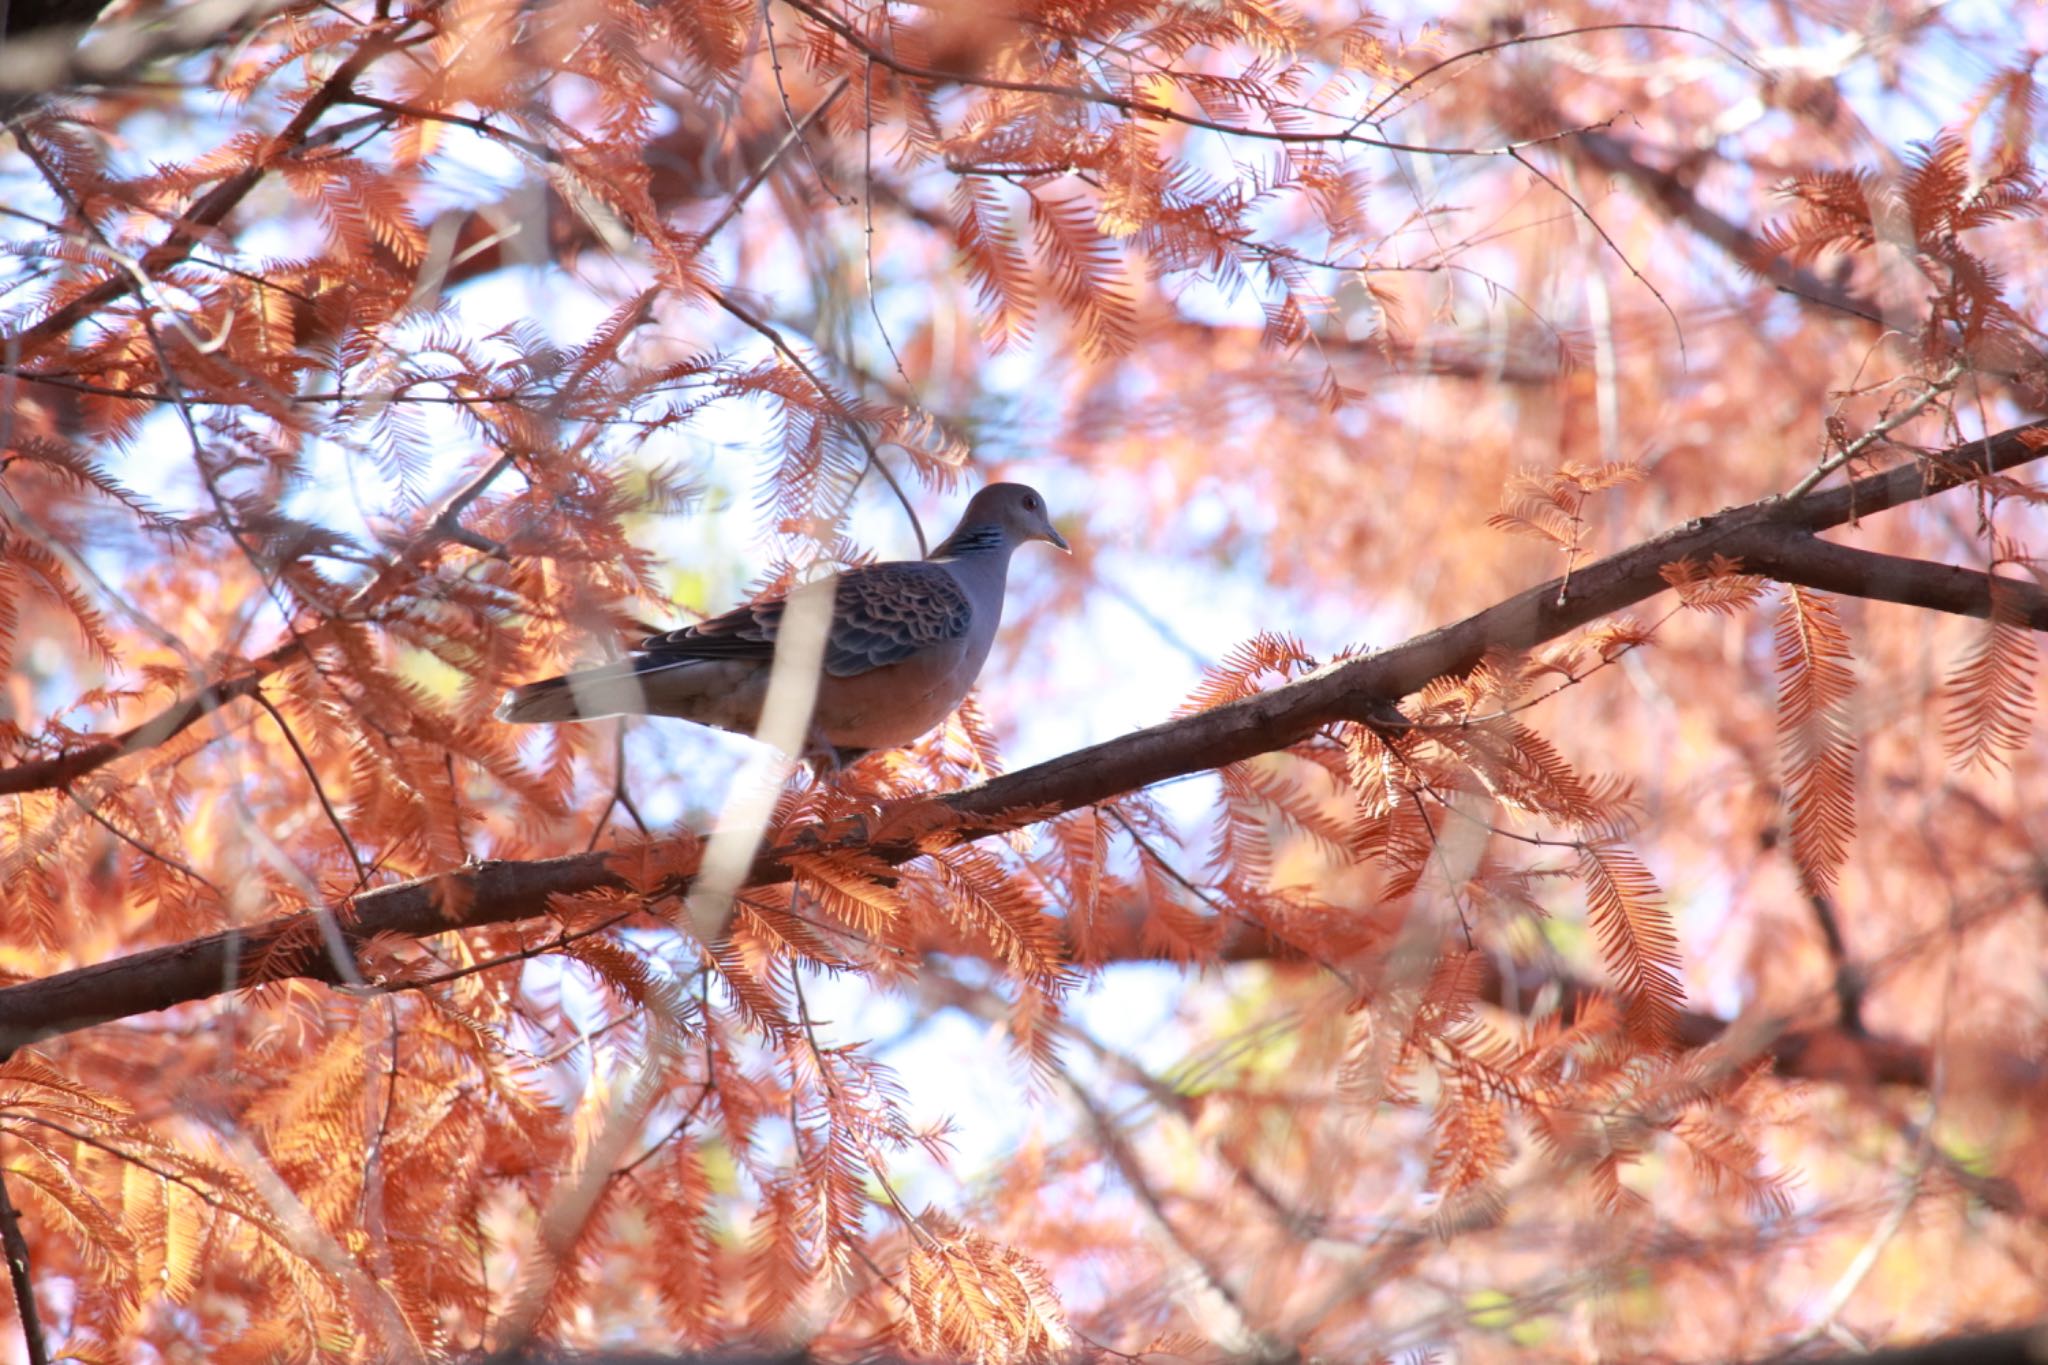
[1055, 538]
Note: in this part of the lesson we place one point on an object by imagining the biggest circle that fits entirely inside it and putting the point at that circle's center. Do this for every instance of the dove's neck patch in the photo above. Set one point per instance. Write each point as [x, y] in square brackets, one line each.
[972, 540]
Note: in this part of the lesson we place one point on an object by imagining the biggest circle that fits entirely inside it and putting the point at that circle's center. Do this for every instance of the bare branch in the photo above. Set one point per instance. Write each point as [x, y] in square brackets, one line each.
[1812, 562]
[41, 50]
[774, 157]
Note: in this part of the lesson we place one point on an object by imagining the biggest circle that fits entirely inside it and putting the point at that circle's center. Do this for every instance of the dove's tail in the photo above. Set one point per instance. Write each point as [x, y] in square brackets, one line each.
[614, 690]
[549, 699]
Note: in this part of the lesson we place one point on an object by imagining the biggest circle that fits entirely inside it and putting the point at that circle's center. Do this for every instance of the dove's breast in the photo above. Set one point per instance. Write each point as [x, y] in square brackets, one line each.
[884, 708]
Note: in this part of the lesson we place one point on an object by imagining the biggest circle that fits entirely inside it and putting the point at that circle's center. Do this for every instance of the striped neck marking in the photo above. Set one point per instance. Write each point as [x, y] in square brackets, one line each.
[972, 540]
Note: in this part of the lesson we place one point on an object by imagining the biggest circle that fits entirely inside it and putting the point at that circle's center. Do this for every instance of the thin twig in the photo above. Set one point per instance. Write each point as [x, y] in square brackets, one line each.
[369, 398]
[1159, 625]
[1215, 1300]
[1865, 1260]
[455, 804]
[671, 1135]
[867, 205]
[1221, 909]
[1143, 108]
[1877, 433]
[16, 1248]
[560, 941]
[1436, 848]
[797, 129]
[319, 789]
[373, 1156]
[917, 1229]
[1523, 39]
[782, 92]
[847, 417]
[144, 849]
[1677, 327]
[1848, 982]
[619, 795]
[540, 151]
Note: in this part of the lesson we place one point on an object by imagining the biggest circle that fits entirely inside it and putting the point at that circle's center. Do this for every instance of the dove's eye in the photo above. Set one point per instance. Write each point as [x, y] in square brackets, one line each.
[1030, 504]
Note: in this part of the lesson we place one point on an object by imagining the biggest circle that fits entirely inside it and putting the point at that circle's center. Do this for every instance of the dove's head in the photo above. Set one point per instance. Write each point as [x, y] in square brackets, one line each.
[1016, 510]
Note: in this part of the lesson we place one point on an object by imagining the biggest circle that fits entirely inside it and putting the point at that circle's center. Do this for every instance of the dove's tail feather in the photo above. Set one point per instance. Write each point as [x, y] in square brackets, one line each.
[614, 690]
[531, 703]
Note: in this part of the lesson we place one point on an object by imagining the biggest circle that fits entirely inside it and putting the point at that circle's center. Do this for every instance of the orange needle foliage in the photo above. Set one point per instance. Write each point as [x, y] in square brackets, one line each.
[1639, 954]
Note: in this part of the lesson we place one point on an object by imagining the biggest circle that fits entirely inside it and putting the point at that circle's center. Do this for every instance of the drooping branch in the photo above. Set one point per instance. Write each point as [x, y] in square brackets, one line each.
[1775, 537]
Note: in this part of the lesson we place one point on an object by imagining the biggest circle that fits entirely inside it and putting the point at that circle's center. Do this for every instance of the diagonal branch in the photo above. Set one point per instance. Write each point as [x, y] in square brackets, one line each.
[1675, 198]
[1209, 1298]
[40, 47]
[212, 208]
[848, 418]
[1773, 537]
[62, 769]
[1815, 563]
[795, 135]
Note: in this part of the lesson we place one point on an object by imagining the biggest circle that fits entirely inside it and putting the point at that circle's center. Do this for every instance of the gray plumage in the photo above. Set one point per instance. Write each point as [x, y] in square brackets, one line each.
[906, 642]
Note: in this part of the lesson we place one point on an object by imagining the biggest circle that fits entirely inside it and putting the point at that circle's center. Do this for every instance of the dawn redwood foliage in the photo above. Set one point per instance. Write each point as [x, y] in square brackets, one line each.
[1645, 955]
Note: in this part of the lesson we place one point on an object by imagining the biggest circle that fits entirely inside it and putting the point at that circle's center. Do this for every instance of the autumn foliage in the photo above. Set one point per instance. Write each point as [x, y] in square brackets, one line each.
[1556, 486]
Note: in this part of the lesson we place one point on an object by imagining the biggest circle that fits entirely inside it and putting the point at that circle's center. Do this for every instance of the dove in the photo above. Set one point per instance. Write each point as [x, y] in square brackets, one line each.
[906, 642]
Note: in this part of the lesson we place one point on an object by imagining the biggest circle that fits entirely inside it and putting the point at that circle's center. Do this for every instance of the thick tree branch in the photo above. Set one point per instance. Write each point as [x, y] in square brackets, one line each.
[1815, 563]
[1674, 196]
[1821, 1051]
[1776, 535]
[2017, 1346]
[61, 770]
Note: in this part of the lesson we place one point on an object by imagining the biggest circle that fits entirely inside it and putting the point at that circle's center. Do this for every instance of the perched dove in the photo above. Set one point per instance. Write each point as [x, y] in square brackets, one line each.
[905, 643]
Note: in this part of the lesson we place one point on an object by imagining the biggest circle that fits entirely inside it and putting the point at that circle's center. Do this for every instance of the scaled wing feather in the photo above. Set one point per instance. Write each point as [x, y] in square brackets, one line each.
[881, 615]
